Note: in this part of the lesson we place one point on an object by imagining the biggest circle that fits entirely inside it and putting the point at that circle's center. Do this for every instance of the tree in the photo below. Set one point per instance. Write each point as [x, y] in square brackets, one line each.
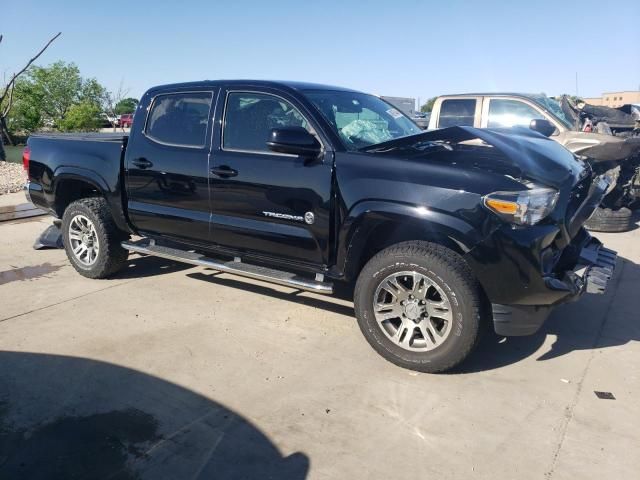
[126, 105]
[6, 96]
[427, 107]
[45, 95]
[83, 116]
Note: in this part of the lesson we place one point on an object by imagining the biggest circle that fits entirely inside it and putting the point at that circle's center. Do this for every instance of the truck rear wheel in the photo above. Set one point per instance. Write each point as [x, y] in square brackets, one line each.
[419, 306]
[91, 238]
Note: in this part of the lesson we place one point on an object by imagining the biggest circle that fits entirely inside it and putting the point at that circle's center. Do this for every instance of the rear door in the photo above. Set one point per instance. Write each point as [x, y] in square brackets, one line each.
[266, 203]
[167, 167]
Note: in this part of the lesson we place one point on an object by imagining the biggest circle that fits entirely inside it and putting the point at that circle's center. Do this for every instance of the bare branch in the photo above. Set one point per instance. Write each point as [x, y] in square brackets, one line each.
[10, 102]
[16, 75]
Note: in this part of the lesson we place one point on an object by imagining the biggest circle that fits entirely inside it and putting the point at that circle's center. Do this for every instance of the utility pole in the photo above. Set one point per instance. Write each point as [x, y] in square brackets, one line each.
[576, 84]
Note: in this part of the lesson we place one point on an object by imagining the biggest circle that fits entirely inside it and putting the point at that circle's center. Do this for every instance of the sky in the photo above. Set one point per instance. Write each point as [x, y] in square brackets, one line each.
[398, 48]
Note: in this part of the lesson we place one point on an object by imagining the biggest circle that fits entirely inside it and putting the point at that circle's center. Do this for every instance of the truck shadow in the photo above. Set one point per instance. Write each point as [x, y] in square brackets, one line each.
[330, 305]
[139, 266]
[67, 417]
[593, 322]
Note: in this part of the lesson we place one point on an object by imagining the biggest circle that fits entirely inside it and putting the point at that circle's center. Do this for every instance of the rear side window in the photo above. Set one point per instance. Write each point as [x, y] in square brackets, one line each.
[457, 112]
[180, 119]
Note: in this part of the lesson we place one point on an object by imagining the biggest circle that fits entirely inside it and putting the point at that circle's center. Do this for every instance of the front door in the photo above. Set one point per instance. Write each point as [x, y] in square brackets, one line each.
[268, 203]
[509, 112]
[167, 166]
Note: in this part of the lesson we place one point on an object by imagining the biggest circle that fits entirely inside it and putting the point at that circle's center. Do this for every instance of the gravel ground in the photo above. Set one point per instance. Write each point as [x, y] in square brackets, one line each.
[11, 177]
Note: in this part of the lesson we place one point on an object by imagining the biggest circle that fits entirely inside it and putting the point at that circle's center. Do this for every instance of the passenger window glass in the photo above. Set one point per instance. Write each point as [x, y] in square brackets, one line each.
[510, 113]
[180, 119]
[457, 112]
[249, 118]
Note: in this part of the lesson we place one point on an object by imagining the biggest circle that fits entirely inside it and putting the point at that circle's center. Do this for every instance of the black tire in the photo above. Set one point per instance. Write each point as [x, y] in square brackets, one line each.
[111, 256]
[452, 275]
[608, 220]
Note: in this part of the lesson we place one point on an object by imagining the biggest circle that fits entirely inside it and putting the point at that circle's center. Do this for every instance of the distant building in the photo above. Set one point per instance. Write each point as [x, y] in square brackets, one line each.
[615, 99]
[406, 105]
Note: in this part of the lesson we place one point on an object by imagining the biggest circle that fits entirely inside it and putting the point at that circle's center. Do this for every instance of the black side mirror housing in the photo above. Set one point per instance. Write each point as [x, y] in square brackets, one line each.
[294, 141]
[543, 126]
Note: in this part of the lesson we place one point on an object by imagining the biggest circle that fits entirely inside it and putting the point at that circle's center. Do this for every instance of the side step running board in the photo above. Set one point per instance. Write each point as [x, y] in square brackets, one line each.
[236, 267]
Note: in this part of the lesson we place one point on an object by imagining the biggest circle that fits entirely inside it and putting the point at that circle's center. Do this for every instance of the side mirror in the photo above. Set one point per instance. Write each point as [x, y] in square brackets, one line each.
[540, 125]
[294, 141]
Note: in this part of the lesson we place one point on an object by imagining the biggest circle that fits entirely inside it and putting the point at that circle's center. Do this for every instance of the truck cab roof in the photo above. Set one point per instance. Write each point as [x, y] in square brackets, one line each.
[291, 85]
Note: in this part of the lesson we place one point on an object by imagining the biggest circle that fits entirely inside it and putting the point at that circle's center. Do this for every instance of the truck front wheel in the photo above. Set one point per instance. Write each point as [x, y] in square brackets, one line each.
[419, 306]
[91, 238]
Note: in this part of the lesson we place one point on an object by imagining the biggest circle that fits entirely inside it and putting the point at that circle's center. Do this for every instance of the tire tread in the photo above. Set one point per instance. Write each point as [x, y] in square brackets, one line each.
[109, 238]
[455, 264]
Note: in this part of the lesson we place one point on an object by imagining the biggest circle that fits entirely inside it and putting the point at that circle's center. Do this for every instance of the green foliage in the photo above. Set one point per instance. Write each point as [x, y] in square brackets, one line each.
[427, 107]
[83, 116]
[44, 96]
[126, 105]
[26, 114]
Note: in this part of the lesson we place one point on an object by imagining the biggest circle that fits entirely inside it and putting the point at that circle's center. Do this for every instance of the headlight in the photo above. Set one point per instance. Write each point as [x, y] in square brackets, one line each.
[526, 207]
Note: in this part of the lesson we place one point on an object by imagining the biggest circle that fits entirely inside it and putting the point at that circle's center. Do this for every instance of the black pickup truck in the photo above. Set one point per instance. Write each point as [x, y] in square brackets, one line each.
[307, 185]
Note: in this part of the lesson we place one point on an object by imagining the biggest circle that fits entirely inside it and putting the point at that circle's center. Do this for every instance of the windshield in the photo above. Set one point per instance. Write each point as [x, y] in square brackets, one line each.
[361, 120]
[552, 106]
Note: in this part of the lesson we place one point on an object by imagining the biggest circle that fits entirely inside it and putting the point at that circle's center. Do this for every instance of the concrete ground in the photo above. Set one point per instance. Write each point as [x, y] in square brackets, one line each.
[169, 371]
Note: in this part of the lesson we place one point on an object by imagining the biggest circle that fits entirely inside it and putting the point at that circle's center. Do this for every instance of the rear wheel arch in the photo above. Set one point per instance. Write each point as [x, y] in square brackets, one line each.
[69, 188]
[73, 183]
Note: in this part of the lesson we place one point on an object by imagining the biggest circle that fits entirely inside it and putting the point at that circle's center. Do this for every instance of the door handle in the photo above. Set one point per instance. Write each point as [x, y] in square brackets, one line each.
[224, 171]
[142, 163]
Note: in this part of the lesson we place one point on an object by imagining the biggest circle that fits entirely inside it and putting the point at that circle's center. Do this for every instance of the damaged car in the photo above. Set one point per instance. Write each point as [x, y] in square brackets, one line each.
[311, 186]
[606, 138]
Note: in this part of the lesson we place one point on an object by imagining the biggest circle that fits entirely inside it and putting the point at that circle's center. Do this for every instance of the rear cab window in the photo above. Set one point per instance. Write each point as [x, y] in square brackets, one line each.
[457, 112]
[179, 119]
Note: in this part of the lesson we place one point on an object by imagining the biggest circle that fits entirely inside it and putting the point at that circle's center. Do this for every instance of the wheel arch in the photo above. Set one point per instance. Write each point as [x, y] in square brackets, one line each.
[72, 183]
[379, 225]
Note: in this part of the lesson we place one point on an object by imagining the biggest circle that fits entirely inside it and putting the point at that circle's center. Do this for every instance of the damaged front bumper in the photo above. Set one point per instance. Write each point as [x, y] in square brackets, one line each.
[591, 274]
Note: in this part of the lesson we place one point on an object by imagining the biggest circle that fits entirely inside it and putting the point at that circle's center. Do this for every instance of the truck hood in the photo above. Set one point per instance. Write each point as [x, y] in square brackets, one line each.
[519, 153]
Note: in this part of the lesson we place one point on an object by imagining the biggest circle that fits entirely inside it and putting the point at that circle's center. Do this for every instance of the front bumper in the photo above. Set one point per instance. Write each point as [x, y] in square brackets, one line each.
[591, 274]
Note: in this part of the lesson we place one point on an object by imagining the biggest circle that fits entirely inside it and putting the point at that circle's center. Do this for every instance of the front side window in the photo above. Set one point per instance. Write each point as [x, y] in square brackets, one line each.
[555, 108]
[457, 112]
[250, 117]
[180, 119]
[361, 120]
[510, 113]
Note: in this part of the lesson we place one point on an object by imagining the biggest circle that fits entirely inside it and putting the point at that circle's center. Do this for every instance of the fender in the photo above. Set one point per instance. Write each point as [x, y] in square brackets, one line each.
[82, 174]
[395, 222]
[110, 193]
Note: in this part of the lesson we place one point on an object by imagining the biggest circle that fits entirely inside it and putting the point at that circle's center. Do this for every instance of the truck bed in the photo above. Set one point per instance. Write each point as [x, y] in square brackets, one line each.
[58, 161]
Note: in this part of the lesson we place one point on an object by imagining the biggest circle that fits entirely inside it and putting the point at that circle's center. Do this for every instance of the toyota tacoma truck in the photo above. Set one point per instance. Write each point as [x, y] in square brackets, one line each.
[312, 186]
[612, 150]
